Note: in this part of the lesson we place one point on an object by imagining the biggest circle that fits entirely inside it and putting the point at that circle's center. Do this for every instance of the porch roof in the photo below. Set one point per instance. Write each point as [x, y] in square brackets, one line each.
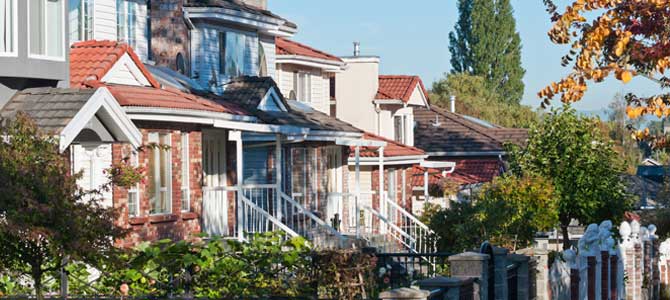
[392, 148]
[66, 112]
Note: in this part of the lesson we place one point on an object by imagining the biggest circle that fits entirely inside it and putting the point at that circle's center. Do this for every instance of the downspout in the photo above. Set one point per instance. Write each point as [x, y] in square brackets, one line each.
[379, 119]
[382, 198]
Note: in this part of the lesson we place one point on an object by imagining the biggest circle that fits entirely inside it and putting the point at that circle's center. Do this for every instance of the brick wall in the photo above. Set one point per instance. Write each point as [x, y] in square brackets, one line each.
[176, 225]
[169, 34]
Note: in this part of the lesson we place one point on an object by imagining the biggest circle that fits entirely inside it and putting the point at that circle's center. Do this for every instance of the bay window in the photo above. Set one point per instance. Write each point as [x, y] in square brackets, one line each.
[400, 128]
[302, 86]
[8, 33]
[126, 20]
[81, 20]
[185, 178]
[46, 28]
[234, 54]
[160, 173]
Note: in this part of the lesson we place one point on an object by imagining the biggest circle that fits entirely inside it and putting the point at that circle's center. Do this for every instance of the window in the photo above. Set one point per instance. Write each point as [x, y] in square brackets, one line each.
[302, 86]
[160, 173]
[185, 178]
[81, 20]
[400, 128]
[45, 23]
[133, 192]
[126, 21]
[233, 54]
[8, 34]
[262, 60]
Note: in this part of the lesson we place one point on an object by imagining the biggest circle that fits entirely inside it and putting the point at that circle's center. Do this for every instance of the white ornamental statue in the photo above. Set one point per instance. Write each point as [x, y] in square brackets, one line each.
[588, 244]
[559, 278]
[644, 233]
[625, 232]
[652, 232]
[664, 250]
[604, 232]
[635, 231]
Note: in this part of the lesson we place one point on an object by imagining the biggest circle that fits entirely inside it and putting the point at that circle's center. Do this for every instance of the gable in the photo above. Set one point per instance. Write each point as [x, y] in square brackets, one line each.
[125, 71]
[271, 102]
[417, 97]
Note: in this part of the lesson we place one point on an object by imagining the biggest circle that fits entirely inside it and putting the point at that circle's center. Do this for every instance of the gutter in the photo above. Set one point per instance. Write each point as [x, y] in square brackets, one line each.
[320, 63]
[467, 153]
[388, 160]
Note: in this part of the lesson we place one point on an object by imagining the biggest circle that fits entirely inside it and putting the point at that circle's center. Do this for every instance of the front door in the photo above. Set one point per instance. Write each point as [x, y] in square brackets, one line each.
[215, 194]
[92, 159]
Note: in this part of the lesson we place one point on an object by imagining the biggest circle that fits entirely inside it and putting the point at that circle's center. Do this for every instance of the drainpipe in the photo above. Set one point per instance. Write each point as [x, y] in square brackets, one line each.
[378, 110]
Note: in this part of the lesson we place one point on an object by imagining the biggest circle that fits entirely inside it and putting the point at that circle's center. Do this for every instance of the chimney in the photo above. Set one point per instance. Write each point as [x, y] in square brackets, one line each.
[357, 48]
[262, 4]
[452, 102]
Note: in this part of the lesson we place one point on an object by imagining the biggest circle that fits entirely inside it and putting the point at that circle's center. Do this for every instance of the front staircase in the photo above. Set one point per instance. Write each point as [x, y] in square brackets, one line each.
[263, 208]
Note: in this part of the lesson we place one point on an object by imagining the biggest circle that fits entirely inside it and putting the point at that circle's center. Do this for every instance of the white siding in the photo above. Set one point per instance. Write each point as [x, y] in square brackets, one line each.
[320, 89]
[104, 20]
[206, 58]
[268, 44]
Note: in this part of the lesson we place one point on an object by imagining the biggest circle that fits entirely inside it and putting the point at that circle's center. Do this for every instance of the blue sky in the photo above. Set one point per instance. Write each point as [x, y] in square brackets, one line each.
[411, 37]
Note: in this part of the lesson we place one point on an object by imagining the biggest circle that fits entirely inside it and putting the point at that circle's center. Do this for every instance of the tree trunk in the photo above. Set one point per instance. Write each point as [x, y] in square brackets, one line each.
[566, 237]
[37, 280]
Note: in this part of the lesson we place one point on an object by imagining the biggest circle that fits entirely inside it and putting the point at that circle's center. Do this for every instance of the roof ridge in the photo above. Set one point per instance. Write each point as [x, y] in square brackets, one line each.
[464, 122]
[308, 47]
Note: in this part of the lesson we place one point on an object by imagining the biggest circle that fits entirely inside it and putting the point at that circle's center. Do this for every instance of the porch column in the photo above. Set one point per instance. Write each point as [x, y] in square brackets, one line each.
[425, 186]
[358, 190]
[240, 180]
[382, 197]
[278, 170]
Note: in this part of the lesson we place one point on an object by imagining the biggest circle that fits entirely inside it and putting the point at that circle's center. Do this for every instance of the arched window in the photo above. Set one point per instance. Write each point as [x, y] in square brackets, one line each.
[181, 64]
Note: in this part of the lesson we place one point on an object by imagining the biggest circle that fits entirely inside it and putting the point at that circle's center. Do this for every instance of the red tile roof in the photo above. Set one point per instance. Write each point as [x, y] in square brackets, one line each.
[392, 149]
[476, 170]
[434, 176]
[91, 60]
[398, 87]
[289, 47]
[169, 98]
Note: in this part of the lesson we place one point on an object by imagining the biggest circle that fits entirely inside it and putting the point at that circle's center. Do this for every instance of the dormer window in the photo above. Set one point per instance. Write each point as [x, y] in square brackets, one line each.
[302, 86]
[81, 20]
[45, 26]
[400, 128]
[8, 32]
[234, 54]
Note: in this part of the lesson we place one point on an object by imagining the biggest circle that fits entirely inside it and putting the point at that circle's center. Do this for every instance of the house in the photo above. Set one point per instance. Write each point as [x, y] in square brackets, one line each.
[33, 45]
[476, 147]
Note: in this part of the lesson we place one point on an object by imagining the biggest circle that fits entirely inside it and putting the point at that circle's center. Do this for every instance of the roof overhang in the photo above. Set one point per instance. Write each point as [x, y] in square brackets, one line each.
[301, 60]
[215, 119]
[388, 160]
[466, 153]
[309, 136]
[103, 105]
[388, 102]
[263, 24]
[438, 164]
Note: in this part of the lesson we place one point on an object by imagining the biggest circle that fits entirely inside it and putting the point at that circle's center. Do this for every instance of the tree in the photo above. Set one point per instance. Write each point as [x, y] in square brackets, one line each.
[626, 39]
[45, 219]
[508, 212]
[474, 99]
[485, 43]
[571, 152]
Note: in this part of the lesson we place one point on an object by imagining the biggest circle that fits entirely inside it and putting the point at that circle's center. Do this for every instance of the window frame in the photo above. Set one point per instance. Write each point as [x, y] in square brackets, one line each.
[157, 139]
[63, 18]
[15, 31]
[185, 173]
[83, 18]
[124, 35]
[403, 128]
[302, 86]
[135, 162]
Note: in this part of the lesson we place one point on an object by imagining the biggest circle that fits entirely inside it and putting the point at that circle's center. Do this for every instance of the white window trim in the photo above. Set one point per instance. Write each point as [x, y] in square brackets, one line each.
[155, 137]
[47, 57]
[135, 161]
[15, 33]
[185, 172]
[403, 123]
[122, 35]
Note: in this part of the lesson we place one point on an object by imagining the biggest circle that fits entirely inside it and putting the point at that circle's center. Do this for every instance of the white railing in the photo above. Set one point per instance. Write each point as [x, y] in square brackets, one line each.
[257, 220]
[307, 223]
[385, 229]
[421, 234]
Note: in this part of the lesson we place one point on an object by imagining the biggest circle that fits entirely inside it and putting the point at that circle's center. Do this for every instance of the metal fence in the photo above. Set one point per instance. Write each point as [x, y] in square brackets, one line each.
[397, 270]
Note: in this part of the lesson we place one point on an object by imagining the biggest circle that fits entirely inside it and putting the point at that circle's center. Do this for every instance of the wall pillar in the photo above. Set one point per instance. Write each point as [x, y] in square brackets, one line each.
[500, 261]
[404, 294]
[523, 275]
[472, 265]
[451, 288]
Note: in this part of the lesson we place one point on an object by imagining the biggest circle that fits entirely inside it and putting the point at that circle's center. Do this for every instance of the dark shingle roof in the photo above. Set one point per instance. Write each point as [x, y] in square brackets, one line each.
[249, 91]
[456, 133]
[239, 6]
[52, 109]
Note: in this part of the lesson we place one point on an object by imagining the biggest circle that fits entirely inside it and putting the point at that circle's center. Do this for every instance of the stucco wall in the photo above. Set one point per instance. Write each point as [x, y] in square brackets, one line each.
[355, 89]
